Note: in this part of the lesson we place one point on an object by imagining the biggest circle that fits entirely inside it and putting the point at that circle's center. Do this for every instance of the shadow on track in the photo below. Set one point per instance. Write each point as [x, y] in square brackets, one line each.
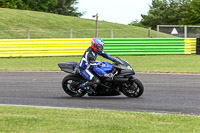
[97, 98]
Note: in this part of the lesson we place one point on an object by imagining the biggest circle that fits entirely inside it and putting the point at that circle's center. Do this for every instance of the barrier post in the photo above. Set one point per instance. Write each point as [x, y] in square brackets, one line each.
[185, 31]
[28, 34]
[149, 32]
[97, 16]
[158, 31]
[70, 33]
[111, 33]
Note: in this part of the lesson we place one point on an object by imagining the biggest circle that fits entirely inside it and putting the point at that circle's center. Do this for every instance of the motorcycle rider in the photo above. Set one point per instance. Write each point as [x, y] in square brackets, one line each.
[88, 63]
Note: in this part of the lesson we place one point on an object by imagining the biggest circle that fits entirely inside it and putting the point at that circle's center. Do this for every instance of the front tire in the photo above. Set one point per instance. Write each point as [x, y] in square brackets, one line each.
[133, 88]
[71, 85]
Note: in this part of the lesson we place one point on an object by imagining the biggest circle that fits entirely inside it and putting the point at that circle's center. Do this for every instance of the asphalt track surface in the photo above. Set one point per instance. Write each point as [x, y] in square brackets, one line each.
[164, 93]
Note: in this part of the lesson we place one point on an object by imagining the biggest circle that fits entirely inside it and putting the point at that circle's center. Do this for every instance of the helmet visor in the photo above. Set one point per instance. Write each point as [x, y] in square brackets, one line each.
[100, 47]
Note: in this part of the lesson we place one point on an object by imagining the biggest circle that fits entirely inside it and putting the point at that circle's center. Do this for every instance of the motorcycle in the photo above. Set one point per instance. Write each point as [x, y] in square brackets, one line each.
[123, 81]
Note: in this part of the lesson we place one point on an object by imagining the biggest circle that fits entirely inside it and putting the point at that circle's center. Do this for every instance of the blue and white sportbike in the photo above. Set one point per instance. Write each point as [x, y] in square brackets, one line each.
[123, 81]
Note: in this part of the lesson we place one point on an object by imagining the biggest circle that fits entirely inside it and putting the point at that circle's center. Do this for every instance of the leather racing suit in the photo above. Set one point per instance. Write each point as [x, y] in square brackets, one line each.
[88, 63]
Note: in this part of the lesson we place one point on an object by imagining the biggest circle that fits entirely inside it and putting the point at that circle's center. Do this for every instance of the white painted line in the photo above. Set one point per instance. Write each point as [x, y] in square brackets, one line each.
[144, 111]
[35, 106]
[168, 74]
[31, 71]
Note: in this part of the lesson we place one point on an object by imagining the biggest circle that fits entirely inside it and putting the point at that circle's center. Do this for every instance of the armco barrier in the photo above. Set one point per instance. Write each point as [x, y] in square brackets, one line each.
[73, 47]
[147, 46]
[38, 47]
[191, 42]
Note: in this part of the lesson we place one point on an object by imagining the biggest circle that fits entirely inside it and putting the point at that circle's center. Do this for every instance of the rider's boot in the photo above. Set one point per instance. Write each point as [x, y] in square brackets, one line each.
[87, 88]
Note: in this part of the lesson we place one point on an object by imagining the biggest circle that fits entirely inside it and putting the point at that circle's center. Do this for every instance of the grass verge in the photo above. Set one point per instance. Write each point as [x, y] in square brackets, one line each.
[150, 63]
[31, 119]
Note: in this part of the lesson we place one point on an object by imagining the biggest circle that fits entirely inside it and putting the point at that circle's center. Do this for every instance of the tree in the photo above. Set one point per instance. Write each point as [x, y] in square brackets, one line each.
[13, 4]
[64, 7]
[39, 5]
[192, 13]
[164, 12]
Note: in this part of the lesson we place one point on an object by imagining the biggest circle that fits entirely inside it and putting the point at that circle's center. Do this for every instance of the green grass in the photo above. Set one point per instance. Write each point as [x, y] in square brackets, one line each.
[47, 25]
[31, 120]
[150, 63]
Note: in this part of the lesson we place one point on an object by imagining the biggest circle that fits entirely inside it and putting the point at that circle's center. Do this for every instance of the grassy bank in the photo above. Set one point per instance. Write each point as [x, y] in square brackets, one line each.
[151, 63]
[49, 25]
[29, 119]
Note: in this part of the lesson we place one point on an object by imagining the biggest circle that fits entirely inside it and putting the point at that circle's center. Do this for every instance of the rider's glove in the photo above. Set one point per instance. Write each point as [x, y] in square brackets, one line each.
[108, 75]
[117, 61]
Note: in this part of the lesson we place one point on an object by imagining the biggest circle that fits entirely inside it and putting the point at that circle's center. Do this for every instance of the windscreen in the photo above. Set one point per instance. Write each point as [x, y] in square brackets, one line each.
[125, 63]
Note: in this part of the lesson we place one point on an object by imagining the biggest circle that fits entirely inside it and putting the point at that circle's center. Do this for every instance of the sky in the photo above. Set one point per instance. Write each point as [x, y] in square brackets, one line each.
[116, 11]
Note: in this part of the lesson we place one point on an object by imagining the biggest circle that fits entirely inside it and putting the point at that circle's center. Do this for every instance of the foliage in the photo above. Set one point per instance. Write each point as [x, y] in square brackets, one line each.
[137, 23]
[164, 12]
[12, 4]
[39, 5]
[171, 12]
[63, 7]
[192, 13]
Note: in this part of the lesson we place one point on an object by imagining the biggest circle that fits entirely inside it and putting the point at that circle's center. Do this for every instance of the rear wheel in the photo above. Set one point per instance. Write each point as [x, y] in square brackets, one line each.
[133, 88]
[72, 86]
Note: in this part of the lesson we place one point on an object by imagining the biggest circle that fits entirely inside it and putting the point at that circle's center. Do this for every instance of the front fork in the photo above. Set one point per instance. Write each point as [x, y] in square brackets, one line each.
[127, 83]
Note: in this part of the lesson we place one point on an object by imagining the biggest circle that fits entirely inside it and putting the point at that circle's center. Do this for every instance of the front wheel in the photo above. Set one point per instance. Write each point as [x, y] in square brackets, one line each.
[71, 85]
[133, 88]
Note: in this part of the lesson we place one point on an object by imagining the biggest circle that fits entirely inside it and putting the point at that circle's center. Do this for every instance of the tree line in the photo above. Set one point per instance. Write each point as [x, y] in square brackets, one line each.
[63, 7]
[171, 12]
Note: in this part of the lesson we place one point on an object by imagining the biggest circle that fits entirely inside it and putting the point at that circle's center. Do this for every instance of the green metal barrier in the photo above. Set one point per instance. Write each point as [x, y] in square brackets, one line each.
[119, 46]
[141, 46]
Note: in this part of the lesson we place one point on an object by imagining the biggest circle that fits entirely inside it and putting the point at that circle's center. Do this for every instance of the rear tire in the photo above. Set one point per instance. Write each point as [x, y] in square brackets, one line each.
[133, 88]
[71, 85]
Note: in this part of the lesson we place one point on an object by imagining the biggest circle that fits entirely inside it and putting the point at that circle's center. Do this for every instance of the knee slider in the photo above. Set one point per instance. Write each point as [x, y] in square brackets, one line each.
[94, 82]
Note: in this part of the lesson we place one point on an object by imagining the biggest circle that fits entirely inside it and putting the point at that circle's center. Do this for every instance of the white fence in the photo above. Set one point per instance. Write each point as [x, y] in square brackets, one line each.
[72, 33]
[184, 31]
